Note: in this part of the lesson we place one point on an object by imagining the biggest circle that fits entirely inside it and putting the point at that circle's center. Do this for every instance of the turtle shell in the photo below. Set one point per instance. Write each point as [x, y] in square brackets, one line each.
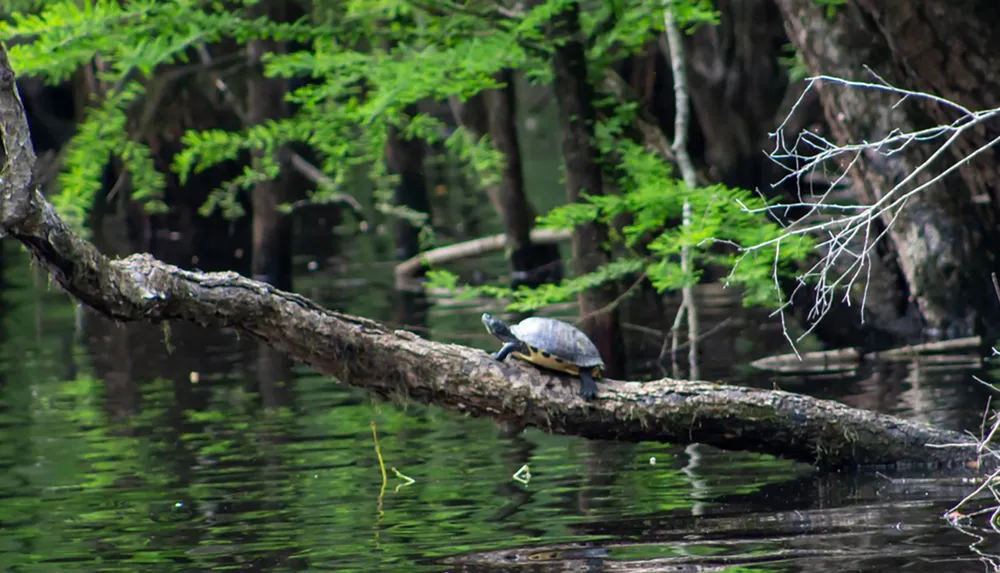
[560, 339]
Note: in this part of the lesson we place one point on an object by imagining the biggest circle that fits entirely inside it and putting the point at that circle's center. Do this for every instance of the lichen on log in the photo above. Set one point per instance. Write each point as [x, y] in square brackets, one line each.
[395, 363]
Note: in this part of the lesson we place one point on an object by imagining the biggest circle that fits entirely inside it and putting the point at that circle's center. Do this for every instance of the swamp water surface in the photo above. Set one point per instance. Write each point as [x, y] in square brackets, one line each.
[135, 448]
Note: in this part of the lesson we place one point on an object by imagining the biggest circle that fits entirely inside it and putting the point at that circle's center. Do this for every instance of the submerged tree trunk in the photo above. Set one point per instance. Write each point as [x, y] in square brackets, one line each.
[575, 97]
[947, 236]
[405, 158]
[272, 230]
[532, 264]
[398, 363]
[494, 112]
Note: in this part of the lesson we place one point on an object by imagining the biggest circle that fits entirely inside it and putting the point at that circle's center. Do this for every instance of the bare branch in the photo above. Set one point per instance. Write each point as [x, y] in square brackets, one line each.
[846, 231]
[651, 134]
[408, 269]
[679, 148]
[314, 174]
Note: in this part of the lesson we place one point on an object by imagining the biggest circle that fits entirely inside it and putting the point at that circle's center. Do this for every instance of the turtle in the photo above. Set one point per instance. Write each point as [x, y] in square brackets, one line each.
[552, 344]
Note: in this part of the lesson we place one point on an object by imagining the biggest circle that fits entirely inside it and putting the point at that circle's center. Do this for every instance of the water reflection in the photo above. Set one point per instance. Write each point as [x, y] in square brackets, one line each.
[148, 448]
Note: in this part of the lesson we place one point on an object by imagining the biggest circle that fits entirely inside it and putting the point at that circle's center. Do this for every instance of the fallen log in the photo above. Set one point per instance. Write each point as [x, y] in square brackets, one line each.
[406, 270]
[927, 348]
[395, 363]
[847, 359]
[839, 360]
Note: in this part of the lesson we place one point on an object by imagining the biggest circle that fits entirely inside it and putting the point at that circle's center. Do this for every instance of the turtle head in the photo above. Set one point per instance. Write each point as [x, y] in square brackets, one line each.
[498, 328]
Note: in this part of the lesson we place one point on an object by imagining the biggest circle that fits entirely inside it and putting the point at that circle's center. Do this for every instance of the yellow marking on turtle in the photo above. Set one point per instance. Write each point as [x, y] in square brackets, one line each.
[546, 360]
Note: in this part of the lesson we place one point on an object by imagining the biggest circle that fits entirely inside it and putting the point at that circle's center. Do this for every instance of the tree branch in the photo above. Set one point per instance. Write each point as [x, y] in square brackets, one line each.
[848, 233]
[314, 174]
[689, 304]
[393, 363]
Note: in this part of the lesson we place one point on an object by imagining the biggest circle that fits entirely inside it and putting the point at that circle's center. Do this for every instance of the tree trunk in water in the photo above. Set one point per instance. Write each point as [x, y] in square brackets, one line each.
[531, 264]
[946, 237]
[274, 376]
[272, 230]
[575, 96]
[494, 112]
[405, 158]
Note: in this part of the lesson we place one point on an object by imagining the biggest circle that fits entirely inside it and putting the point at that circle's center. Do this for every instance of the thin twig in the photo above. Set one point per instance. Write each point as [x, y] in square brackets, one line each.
[381, 491]
[707, 333]
[614, 304]
[220, 84]
[314, 174]
[674, 338]
[676, 347]
[847, 233]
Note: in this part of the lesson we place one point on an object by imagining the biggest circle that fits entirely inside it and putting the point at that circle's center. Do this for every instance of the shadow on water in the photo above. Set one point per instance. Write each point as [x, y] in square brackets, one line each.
[143, 448]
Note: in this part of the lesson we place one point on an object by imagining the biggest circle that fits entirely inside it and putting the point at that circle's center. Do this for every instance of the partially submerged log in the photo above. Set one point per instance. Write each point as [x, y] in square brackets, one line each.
[846, 359]
[839, 360]
[406, 270]
[395, 363]
[926, 348]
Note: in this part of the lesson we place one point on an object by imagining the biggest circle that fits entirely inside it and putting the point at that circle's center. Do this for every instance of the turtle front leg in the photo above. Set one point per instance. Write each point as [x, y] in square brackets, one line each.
[505, 351]
[588, 388]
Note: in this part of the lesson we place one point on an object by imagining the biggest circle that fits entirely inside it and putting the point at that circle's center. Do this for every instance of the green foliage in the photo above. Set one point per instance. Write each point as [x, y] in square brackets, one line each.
[830, 6]
[133, 40]
[361, 66]
[367, 63]
[651, 197]
[792, 61]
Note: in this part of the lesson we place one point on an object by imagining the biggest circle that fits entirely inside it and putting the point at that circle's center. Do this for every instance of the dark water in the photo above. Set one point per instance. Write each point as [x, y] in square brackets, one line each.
[139, 448]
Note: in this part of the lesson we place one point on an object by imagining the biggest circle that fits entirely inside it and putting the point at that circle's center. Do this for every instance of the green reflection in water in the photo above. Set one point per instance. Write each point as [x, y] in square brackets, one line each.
[229, 485]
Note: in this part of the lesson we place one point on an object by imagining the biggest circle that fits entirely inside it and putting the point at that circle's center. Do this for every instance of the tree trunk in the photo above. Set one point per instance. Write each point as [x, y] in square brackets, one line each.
[494, 112]
[272, 230]
[575, 96]
[395, 363]
[532, 264]
[947, 236]
[405, 158]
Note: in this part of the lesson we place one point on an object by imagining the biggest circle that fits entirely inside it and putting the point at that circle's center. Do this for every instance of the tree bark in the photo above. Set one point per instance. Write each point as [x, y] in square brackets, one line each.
[575, 97]
[947, 236]
[398, 363]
